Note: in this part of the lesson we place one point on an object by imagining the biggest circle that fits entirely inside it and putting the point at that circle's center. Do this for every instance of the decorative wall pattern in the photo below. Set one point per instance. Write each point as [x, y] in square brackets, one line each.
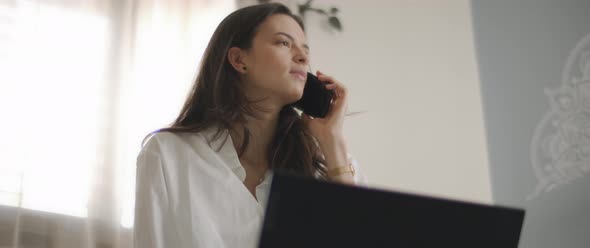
[560, 148]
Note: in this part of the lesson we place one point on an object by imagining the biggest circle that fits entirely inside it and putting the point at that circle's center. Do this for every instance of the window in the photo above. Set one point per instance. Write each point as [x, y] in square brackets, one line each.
[52, 77]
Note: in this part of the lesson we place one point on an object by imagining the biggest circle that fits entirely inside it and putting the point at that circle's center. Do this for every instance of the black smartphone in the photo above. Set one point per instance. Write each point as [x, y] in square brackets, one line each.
[316, 99]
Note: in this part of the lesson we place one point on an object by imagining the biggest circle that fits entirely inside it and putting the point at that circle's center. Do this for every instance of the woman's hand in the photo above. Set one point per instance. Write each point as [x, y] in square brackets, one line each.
[331, 126]
[329, 130]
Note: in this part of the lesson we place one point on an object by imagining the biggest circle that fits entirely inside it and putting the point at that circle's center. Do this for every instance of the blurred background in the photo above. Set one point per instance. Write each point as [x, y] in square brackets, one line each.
[484, 101]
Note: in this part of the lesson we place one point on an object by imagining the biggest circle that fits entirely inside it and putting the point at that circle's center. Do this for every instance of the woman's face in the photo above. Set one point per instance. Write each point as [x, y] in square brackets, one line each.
[277, 62]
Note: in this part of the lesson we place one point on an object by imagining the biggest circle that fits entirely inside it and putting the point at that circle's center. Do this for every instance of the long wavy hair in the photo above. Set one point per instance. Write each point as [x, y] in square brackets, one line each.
[217, 98]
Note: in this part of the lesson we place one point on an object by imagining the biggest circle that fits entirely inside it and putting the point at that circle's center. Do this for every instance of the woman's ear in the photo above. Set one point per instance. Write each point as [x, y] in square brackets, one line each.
[235, 56]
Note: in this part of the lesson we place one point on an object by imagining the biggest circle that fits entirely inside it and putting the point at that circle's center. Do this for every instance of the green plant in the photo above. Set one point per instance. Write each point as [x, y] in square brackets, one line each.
[330, 13]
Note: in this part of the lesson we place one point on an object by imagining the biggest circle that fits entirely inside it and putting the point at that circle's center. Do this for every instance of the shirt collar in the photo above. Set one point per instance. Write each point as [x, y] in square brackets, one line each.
[224, 146]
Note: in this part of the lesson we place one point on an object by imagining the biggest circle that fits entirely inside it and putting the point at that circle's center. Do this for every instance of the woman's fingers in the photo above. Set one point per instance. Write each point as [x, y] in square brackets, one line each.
[325, 78]
[338, 88]
[332, 84]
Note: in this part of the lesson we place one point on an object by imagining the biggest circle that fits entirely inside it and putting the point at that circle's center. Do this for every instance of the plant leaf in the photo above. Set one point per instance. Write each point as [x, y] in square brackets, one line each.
[321, 11]
[302, 9]
[335, 23]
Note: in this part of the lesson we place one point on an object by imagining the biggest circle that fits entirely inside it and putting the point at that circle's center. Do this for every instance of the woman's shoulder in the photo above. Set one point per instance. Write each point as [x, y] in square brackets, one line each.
[161, 141]
[166, 141]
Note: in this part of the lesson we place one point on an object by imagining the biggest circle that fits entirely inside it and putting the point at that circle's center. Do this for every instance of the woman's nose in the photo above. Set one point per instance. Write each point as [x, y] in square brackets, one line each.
[302, 58]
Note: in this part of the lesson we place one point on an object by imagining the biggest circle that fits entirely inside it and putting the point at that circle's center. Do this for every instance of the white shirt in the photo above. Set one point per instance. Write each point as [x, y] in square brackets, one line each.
[189, 194]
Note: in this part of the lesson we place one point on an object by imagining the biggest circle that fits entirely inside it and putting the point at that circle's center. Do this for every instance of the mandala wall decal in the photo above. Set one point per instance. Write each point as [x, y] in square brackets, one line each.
[560, 148]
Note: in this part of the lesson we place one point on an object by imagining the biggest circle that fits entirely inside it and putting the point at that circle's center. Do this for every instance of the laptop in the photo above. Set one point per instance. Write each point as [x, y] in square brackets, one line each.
[303, 212]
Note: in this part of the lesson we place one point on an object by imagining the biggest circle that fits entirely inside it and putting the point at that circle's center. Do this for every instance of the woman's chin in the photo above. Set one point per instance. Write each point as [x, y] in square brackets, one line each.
[294, 96]
[293, 92]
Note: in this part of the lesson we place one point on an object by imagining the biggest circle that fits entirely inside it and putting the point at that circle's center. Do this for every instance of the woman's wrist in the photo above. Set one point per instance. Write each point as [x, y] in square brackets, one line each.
[334, 149]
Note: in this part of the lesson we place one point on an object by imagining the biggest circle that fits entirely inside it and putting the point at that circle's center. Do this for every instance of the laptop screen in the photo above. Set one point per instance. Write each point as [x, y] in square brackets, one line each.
[304, 212]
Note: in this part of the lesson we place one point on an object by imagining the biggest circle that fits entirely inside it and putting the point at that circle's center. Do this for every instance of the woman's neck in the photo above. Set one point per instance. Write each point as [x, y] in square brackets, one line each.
[262, 131]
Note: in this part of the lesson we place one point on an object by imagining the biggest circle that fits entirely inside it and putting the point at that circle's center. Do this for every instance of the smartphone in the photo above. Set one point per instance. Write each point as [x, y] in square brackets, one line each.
[316, 99]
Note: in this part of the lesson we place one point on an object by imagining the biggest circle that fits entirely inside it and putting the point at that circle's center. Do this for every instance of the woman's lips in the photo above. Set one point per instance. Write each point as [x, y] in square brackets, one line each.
[299, 75]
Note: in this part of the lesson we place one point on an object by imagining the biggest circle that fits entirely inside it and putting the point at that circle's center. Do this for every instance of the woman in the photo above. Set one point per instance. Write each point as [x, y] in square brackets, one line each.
[203, 182]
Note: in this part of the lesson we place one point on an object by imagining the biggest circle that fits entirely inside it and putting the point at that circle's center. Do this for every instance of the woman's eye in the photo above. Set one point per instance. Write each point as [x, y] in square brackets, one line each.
[286, 43]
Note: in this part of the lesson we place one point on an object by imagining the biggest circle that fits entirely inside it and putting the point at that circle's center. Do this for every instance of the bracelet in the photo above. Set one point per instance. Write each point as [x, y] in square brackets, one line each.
[341, 170]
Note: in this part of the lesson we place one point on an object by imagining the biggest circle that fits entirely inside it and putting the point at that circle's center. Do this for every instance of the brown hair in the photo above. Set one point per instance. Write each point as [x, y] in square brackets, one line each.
[217, 99]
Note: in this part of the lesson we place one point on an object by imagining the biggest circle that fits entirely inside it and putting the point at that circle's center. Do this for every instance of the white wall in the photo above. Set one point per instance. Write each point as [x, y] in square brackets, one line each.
[411, 66]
